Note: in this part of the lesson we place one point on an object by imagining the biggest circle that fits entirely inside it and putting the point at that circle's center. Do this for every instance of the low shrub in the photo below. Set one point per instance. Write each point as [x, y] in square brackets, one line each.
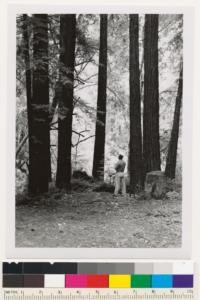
[80, 185]
[79, 174]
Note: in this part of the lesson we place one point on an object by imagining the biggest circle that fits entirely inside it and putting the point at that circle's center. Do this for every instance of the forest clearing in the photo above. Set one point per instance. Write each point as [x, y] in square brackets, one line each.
[97, 218]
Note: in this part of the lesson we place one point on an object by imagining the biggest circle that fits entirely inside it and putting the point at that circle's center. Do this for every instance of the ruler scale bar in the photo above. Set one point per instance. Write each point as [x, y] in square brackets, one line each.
[69, 294]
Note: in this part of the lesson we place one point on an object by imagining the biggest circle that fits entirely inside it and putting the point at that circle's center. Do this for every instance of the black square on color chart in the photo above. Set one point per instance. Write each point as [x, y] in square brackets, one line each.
[12, 268]
[47, 268]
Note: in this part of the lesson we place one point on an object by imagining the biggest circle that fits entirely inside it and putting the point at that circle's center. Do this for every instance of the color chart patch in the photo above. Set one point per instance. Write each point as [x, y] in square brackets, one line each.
[98, 275]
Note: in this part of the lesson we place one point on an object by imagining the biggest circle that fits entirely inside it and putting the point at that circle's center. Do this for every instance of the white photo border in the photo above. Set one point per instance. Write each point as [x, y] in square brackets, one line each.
[184, 252]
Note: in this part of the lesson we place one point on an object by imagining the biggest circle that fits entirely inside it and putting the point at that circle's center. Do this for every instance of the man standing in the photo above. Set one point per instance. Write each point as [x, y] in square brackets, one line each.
[120, 176]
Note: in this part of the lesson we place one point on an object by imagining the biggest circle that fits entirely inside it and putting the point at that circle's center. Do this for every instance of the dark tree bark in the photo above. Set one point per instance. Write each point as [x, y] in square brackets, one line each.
[135, 145]
[40, 134]
[151, 138]
[26, 54]
[170, 169]
[65, 107]
[99, 145]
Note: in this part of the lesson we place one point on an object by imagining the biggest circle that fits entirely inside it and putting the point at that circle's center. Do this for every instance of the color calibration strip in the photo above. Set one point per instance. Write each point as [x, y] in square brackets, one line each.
[98, 275]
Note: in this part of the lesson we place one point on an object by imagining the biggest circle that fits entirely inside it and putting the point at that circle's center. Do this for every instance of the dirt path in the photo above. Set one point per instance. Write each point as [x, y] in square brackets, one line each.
[98, 220]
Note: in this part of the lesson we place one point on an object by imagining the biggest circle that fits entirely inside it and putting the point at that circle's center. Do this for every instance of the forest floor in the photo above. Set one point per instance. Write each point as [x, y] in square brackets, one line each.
[97, 219]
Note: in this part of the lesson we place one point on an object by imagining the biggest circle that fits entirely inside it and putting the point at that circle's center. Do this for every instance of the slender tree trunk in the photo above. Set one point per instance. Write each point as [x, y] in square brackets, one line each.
[65, 110]
[55, 101]
[170, 169]
[40, 135]
[142, 68]
[26, 33]
[135, 167]
[151, 139]
[99, 145]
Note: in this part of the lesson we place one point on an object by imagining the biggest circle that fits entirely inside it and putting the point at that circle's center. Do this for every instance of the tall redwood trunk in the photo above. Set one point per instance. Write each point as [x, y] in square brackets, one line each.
[26, 54]
[151, 137]
[65, 107]
[170, 169]
[99, 145]
[135, 153]
[40, 133]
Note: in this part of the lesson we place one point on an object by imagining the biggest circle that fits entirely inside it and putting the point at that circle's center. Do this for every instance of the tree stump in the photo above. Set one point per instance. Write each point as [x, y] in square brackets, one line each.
[155, 184]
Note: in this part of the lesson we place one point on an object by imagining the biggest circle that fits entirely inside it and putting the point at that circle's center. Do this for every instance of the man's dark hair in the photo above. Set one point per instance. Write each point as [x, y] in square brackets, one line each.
[120, 156]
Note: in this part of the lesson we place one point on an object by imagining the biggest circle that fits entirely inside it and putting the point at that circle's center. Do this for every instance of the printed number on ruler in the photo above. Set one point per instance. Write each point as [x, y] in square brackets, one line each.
[98, 294]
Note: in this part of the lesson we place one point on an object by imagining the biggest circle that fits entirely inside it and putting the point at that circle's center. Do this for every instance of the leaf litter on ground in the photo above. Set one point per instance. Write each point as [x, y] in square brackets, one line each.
[97, 219]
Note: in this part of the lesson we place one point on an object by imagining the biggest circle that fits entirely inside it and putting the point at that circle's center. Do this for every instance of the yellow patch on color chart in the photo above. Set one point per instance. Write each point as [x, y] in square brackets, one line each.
[119, 281]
